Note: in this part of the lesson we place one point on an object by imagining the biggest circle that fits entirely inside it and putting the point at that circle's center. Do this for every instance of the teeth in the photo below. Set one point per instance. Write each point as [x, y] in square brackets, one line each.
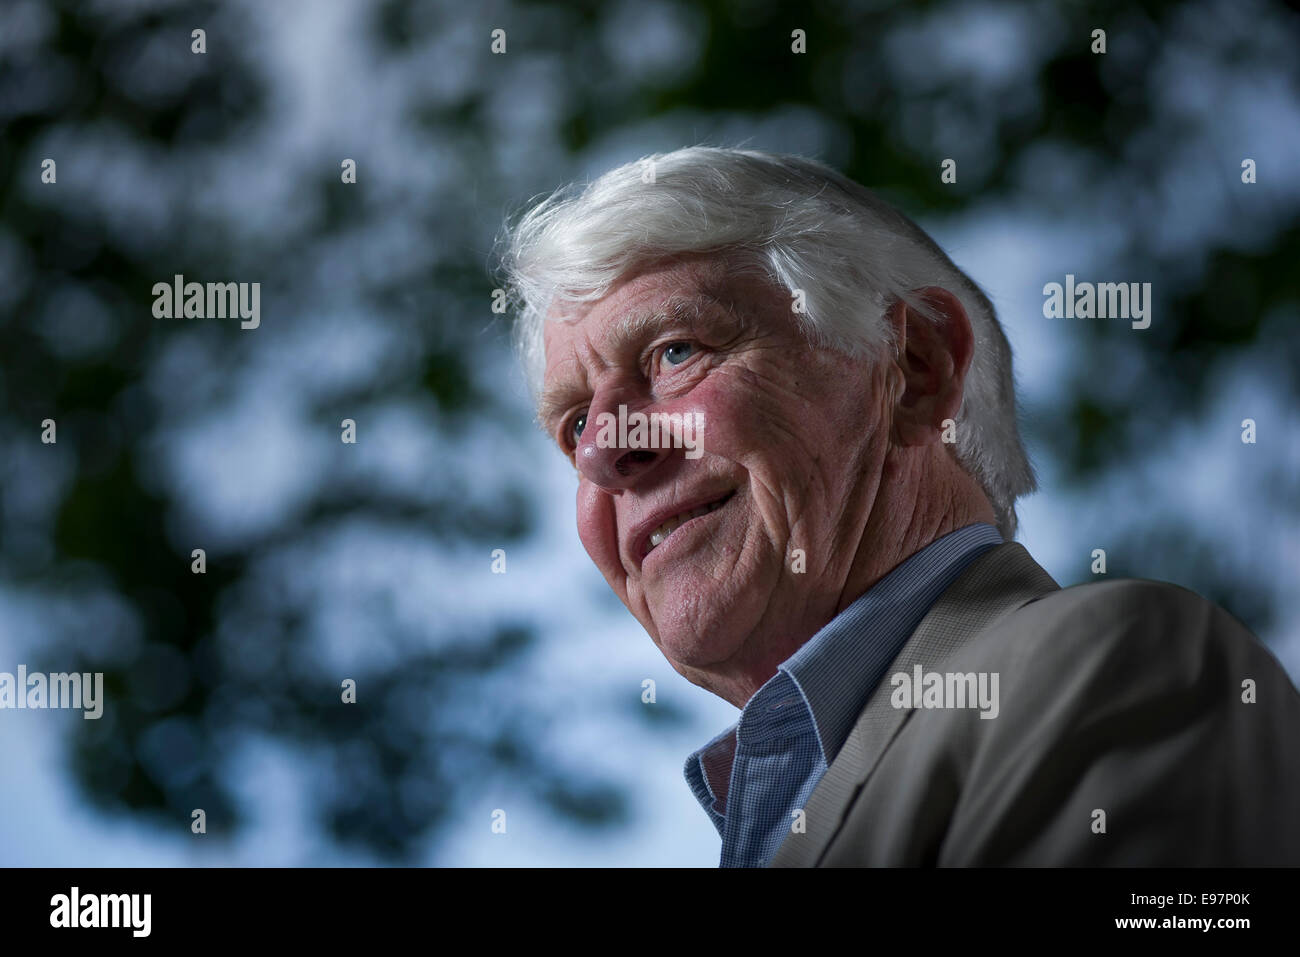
[667, 528]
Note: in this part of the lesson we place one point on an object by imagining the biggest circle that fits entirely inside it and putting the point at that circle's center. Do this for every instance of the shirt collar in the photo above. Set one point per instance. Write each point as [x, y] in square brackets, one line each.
[838, 667]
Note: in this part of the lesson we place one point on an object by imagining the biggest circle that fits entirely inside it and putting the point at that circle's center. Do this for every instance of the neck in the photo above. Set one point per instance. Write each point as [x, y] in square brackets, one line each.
[922, 498]
[923, 494]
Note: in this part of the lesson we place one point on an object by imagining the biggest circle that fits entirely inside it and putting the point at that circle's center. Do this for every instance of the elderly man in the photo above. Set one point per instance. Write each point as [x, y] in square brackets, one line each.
[835, 558]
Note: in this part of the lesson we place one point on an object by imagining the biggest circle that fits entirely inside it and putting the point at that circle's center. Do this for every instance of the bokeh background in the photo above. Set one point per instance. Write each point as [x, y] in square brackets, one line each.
[522, 691]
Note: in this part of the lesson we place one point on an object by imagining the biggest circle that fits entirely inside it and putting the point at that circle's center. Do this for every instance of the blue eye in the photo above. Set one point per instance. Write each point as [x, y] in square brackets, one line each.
[579, 424]
[678, 352]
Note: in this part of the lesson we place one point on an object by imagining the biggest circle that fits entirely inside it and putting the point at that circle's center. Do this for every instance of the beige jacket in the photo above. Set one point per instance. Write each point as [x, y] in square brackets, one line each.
[1121, 736]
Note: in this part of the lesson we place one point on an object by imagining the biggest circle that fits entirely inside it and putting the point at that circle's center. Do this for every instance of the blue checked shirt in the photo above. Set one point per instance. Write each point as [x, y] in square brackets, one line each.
[753, 777]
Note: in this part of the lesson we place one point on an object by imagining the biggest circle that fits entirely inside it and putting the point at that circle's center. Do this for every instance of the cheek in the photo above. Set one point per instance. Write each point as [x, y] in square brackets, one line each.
[726, 410]
[747, 422]
[597, 528]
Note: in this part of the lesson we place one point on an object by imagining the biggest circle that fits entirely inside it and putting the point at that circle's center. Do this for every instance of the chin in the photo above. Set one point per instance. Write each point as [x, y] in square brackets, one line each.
[700, 629]
[697, 641]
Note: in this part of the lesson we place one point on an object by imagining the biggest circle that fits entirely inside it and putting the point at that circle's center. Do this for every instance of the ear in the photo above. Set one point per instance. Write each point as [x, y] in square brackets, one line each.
[933, 357]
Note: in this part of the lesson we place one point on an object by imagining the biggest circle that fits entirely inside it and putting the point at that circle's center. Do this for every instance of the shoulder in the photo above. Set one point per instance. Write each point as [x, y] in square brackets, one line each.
[1127, 696]
[1130, 629]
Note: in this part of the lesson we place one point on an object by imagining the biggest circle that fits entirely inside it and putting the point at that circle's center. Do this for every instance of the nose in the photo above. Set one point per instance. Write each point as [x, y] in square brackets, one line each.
[603, 454]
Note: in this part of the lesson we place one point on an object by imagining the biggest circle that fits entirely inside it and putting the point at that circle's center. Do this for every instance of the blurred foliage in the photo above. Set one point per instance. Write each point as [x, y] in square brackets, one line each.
[216, 660]
[187, 691]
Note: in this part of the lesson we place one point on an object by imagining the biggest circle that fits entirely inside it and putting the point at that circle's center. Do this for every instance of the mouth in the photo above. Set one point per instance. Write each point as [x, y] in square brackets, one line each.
[661, 533]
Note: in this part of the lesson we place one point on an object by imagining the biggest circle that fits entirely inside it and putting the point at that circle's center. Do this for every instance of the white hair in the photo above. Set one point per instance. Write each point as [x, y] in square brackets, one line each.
[807, 228]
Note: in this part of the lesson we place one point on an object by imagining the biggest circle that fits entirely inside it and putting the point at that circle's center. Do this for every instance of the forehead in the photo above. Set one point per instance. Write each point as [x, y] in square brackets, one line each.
[673, 289]
[652, 289]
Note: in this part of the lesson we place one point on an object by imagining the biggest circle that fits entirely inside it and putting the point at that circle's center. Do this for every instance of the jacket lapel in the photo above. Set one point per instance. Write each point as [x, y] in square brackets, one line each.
[998, 582]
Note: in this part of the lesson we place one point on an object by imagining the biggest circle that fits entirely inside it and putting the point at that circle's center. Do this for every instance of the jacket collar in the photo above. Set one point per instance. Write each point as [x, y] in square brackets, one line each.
[1000, 581]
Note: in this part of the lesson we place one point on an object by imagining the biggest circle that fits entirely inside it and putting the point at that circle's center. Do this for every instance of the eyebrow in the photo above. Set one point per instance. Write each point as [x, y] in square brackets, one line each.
[678, 310]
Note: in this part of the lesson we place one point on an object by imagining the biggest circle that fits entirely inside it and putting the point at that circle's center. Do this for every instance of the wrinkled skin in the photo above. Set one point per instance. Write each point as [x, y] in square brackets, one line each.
[833, 464]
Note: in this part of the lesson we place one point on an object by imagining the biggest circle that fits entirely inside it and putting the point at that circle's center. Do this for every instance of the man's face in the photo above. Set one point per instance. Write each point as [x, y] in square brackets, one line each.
[763, 526]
